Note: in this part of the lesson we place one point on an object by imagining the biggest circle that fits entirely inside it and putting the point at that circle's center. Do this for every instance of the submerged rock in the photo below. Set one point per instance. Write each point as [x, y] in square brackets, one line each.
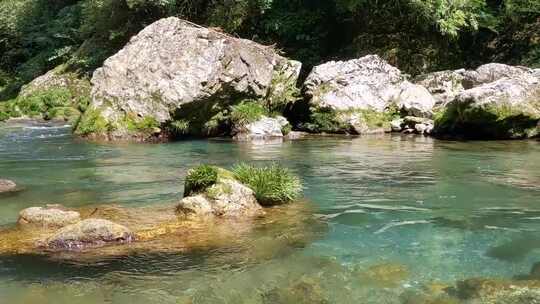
[174, 69]
[490, 291]
[7, 185]
[385, 275]
[89, 233]
[306, 291]
[50, 215]
[266, 127]
[225, 198]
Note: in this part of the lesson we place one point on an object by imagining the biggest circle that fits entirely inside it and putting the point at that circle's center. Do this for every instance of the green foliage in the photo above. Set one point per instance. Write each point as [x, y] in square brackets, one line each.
[501, 121]
[325, 120]
[199, 179]
[179, 127]
[246, 112]
[286, 129]
[136, 124]
[37, 35]
[273, 185]
[46, 104]
[92, 122]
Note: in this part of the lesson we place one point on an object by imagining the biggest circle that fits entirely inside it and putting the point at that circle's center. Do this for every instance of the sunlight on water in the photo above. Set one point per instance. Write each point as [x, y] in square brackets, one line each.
[386, 215]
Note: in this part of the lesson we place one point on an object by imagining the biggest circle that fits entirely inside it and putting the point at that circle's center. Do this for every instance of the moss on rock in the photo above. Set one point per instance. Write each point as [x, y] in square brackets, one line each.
[358, 121]
[488, 121]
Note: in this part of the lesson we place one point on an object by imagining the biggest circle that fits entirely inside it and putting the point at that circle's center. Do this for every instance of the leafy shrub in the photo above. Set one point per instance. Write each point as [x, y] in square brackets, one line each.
[91, 122]
[200, 178]
[246, 112]
[324, 120]
[180, 126]
[273, 185]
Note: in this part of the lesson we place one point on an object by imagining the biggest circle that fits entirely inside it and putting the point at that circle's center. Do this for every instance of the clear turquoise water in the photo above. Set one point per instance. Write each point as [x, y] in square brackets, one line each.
[444, 210]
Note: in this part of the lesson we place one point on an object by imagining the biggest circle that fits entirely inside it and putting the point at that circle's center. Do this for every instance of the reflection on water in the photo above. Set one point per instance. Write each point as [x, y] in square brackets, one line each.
[397, 213]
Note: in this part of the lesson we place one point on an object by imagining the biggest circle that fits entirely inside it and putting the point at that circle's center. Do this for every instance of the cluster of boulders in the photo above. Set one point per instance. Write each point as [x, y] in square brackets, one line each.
[177, 73]
[70, 231]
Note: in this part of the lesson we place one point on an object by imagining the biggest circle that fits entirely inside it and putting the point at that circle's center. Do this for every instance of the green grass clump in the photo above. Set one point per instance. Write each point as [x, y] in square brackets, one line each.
[273, 185]
[180, 126]
[200, 178]
[91, 122]
[246, 112]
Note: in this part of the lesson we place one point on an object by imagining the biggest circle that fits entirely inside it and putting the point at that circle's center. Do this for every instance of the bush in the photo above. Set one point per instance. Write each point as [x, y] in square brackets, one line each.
[91, 122]
[246, 112]
[273, 185]
[200, 178]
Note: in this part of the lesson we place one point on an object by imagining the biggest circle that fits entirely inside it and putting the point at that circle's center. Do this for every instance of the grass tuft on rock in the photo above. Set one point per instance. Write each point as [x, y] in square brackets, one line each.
[273, 185]
[199, 179]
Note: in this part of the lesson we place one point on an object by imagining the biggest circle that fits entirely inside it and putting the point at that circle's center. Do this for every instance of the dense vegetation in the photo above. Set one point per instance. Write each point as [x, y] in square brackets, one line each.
[415, 35]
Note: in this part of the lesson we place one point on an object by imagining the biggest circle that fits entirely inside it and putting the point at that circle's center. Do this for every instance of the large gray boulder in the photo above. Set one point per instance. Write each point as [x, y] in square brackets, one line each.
[367, 83]
[446, 85]
[508, 107]
[226, 198]
[492, 72]
[356, 92]
[7, 185]
[174, 68]
[89, 233]
[50, 215]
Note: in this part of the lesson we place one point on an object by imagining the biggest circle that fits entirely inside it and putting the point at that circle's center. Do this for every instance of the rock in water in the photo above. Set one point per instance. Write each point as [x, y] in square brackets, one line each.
[266, 127]
[225, 198]
[174, 68]
[7, 185]
[358, 91]
[506, 108]
[89, 233]
[50, 215]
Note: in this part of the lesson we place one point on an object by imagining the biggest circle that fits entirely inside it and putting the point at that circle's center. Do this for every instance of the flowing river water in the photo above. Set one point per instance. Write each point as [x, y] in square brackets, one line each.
[388, 215]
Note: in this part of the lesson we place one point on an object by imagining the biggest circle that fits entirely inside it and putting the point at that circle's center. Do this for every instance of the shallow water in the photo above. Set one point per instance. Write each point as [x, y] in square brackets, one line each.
[441, 210]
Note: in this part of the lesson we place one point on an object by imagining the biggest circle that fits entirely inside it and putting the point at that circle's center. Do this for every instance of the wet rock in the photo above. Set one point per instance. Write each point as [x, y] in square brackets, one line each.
[173, 69]
[50, 215]
[296, 135]
[266, 127]
[7, 185]
[397, 124]
[89, 233]
[490, 291]
[306, 291]
[225, 198]
[385, 275]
